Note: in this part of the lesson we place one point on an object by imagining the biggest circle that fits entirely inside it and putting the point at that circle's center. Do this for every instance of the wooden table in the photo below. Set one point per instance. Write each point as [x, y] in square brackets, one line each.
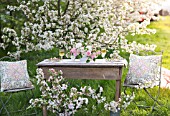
[100, 69]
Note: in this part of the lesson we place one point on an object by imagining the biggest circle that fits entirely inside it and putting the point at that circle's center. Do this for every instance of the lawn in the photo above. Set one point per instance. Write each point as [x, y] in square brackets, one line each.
[161, 39]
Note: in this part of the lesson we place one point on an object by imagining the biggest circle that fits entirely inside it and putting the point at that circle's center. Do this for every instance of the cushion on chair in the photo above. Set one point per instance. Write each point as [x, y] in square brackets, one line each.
[14, 75]
[144, 70]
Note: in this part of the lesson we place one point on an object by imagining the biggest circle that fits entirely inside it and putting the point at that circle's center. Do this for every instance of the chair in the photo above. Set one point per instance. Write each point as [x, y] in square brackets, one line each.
[144, 73]
[14, 83]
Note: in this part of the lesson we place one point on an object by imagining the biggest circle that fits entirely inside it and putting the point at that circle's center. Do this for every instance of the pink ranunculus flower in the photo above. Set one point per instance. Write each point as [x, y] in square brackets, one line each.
[75, 54]
[93, 56]
[88, 53]
[74, 51]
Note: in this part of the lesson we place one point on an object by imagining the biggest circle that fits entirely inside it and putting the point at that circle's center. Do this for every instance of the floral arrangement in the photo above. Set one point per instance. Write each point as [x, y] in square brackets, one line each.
[82, 51]
[62, 100]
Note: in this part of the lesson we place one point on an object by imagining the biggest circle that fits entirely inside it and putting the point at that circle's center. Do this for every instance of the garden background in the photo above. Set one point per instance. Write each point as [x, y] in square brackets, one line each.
[161, 38]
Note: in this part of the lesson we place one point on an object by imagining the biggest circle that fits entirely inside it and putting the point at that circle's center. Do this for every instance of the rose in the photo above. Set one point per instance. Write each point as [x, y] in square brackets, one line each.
[88, 53]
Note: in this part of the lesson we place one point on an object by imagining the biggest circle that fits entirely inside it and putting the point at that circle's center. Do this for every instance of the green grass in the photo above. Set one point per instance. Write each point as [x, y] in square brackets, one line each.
[161, 39]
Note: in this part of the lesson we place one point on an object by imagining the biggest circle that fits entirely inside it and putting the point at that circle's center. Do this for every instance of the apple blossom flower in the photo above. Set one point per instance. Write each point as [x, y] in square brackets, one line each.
[71, 106]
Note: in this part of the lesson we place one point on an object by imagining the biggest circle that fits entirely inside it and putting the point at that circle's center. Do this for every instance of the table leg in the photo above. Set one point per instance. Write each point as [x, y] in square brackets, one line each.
[44, 110]
[118, 92]
[117, 96]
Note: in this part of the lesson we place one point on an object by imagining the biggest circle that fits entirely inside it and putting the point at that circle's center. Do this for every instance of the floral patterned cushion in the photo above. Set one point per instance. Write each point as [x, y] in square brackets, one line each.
[144, 70]
[14, 75]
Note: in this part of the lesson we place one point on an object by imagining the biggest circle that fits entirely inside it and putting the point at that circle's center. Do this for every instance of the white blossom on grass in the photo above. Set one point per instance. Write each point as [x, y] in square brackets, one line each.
[61, 99]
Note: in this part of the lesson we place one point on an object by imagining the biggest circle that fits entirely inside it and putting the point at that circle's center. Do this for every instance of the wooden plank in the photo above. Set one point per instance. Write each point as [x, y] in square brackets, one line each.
[86, 73]
[66, 63]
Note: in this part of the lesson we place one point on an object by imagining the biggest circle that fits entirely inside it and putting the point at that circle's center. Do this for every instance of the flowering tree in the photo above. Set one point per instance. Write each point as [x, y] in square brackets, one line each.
[52, 23]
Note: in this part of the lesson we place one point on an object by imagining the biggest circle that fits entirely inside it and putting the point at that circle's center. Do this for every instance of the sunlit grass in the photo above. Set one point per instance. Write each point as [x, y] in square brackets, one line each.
[161, 38]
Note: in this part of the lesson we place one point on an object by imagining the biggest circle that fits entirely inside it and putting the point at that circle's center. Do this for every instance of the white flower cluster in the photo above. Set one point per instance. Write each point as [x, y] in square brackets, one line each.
[123, 102]
[112, 106]
[9, 34]
[101, 22]
[62, 100]
[57, 96]
[126, 100]
[88, 91]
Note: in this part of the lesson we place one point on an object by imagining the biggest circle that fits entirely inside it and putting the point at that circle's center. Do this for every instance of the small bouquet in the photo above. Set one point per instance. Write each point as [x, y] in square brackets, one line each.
[88, 52]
